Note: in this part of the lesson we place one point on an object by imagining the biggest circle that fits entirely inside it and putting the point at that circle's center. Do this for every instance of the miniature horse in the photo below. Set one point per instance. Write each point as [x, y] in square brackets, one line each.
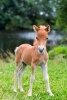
[33, 55]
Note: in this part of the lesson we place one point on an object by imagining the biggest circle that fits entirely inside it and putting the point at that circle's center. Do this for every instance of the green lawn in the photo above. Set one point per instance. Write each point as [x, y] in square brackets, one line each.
[58, 81]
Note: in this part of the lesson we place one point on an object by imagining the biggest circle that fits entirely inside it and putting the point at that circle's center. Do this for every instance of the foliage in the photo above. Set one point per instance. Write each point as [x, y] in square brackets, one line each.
[63, 41]
[17, 14]
[6, 55]
[58, 51]
[57, 73]
[61, 22]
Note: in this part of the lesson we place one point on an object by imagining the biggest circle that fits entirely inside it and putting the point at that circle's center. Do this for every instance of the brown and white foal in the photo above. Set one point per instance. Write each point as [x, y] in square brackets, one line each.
[33, 55]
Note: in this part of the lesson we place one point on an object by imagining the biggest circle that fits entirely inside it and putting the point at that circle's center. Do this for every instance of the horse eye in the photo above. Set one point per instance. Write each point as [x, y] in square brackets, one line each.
[36, 38]
[47, 38]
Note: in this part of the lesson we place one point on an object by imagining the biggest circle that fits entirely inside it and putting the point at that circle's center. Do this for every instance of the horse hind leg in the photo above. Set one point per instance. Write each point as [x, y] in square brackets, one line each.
[21, 70]
[16, 73]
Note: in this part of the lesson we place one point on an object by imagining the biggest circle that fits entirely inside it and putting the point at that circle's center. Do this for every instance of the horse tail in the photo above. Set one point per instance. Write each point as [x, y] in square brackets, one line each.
[16, 49]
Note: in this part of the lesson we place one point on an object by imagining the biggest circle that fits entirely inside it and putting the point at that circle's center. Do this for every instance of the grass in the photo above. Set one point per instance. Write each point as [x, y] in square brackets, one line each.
[58, 81]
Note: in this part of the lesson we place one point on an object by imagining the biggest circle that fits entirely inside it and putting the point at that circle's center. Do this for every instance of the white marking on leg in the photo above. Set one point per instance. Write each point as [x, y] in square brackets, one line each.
[46, 77]
[32, 78]
[20, 82]
[20, 78]
[15, 78]
[16, 73]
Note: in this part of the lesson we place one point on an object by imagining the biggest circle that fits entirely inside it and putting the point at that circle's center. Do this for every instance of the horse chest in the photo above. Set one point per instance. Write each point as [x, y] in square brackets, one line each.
[39, 60]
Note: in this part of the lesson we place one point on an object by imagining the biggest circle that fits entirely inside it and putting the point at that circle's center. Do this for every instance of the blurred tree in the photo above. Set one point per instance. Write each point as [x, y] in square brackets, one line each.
[19, 14]
[61, 22]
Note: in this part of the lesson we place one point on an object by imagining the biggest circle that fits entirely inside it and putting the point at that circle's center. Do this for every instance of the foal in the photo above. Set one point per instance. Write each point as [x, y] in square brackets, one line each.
[33, 55]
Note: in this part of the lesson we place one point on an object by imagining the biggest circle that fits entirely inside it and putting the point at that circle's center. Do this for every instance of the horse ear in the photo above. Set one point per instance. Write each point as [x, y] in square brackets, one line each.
[47, 28]
[35, 28]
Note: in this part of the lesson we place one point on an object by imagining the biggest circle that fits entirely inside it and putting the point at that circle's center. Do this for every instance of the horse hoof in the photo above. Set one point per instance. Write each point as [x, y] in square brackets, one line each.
[51, 94]
[21, 90]
[29, 94]
[15, 90]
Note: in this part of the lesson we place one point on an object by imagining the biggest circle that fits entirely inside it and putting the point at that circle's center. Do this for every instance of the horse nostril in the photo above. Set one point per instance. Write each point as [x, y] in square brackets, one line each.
[41, 49]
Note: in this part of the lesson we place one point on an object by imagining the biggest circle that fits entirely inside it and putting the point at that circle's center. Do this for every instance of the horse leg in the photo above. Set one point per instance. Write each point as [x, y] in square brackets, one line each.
[32, 78]
[46, 77]
[16, 73]
[20, 77]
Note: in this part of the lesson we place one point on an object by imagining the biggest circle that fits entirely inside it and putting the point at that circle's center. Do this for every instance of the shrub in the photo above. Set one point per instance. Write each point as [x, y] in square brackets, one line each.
[58, 50]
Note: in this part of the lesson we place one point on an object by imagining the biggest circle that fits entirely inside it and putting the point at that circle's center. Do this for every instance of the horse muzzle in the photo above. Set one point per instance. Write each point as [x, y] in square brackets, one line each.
[41, 49]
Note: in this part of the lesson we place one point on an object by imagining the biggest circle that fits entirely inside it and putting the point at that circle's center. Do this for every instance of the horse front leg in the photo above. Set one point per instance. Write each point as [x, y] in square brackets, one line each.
[32, 78]
[46, 77]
